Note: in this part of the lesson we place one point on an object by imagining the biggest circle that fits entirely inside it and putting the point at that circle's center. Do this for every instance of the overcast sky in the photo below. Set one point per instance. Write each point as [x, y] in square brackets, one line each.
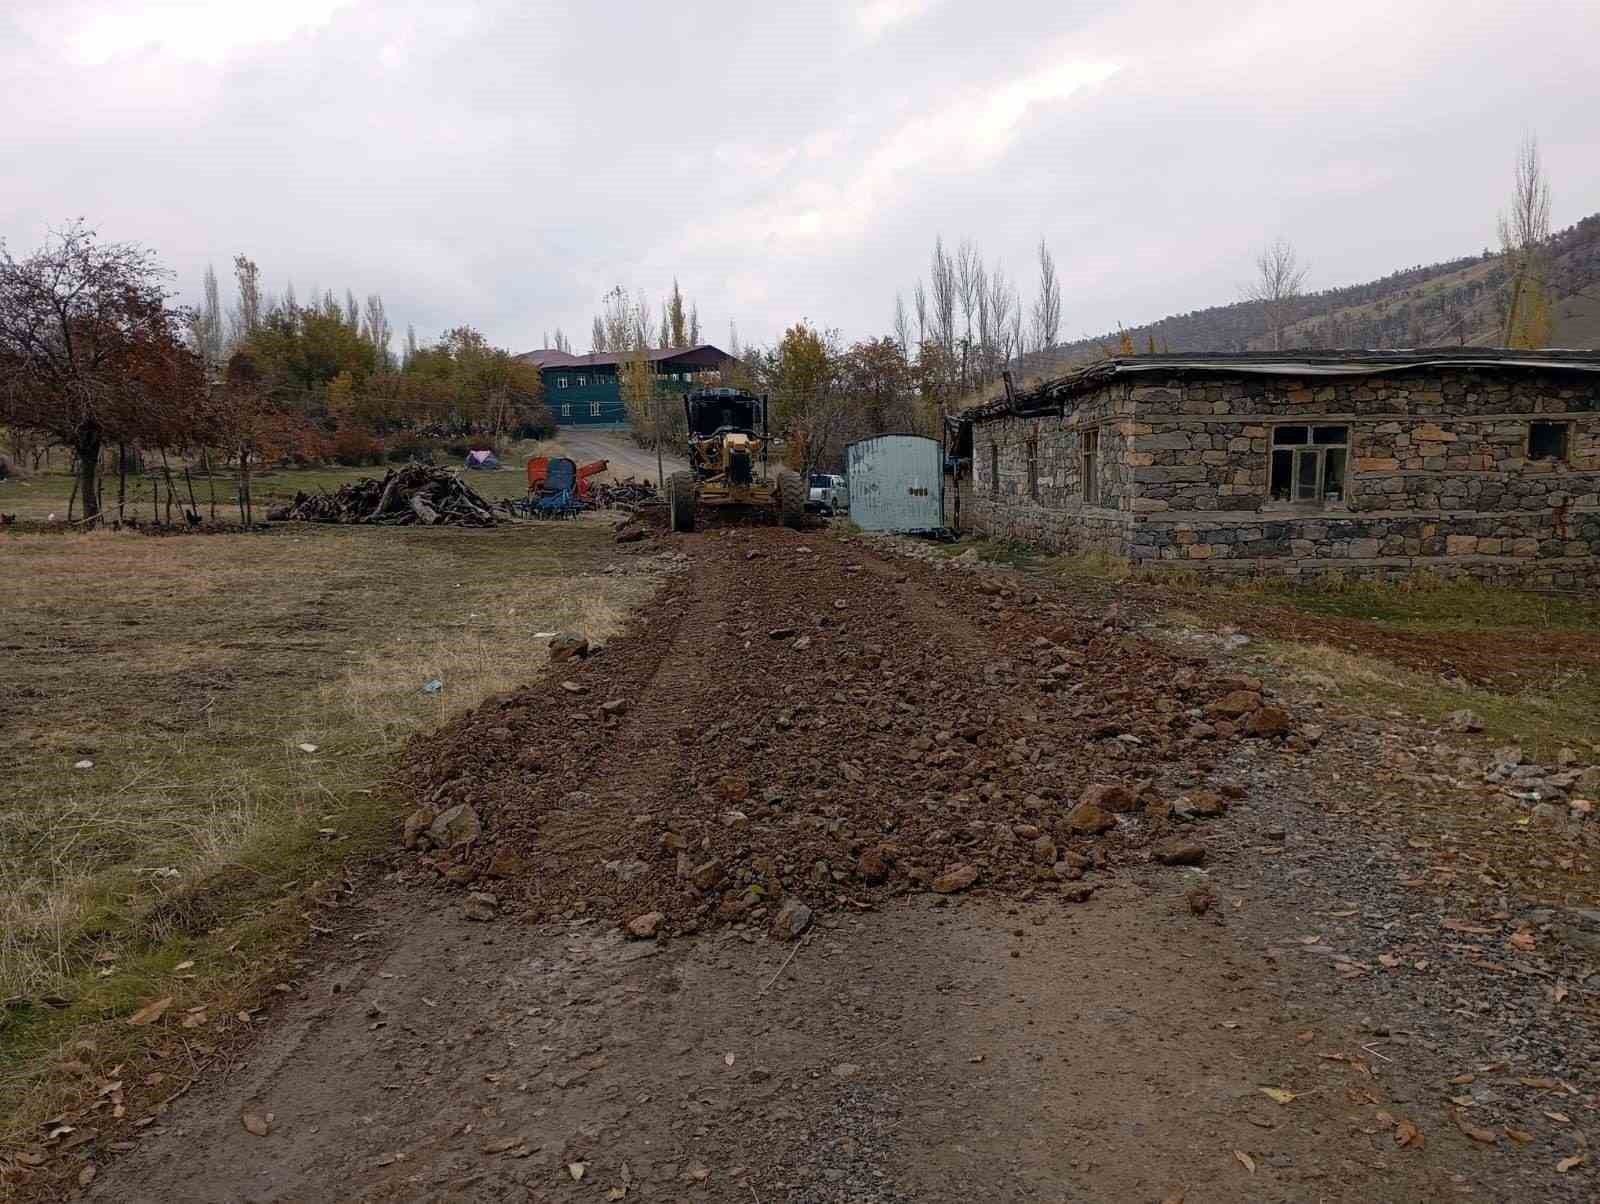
[504, 163]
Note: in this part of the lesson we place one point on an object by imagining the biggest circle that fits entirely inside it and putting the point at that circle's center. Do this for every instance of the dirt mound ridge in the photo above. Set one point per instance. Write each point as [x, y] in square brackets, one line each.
[799, 720]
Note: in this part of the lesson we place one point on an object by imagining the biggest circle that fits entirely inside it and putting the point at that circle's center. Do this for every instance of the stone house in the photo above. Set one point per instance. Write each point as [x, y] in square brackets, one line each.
[1376, 463]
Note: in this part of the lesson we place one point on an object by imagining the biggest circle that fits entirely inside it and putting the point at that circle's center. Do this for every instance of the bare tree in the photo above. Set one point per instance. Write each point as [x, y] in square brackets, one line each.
[1001, 298]
[1524, 234]
[245, 319]
[1047, 305]
[410, 353]
[943, 287]
[597, 335]
[902, 325]
[352, 311]
[920, 301]
[694, 325]
[378, 331]
[206, 324]
[969, 293]
[1280, 279]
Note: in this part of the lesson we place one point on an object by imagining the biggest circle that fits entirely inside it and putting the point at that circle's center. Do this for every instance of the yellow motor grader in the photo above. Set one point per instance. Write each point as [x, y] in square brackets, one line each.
[728, 461]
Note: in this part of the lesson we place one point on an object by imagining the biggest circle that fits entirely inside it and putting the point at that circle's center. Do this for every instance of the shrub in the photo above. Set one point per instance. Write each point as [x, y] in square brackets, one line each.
[354, 448]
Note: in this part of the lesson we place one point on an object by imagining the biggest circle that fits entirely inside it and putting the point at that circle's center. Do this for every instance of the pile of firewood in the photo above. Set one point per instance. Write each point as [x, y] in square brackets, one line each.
[621, 493]
[417, 493]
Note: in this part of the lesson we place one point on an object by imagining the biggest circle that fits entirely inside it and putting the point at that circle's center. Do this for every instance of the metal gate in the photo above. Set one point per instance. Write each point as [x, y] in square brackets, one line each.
[895, 483]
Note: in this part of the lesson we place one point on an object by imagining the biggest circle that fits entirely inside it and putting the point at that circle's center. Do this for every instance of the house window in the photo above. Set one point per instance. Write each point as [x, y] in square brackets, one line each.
[594, 409]
[561, 382]
[582, 380]
[566, 409]
[1091, 468]
[1033, 466]
[1548, 440]
[994, 469]
[1308, 464]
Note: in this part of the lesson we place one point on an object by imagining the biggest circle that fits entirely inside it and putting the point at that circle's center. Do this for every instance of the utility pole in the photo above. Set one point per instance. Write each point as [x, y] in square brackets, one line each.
[661, 479]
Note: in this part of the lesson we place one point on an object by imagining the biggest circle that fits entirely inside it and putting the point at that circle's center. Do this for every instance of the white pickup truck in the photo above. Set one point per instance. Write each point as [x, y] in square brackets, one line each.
[827, 493]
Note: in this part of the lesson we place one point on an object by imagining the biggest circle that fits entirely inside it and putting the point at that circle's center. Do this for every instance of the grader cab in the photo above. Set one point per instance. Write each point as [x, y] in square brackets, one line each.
[729, 461]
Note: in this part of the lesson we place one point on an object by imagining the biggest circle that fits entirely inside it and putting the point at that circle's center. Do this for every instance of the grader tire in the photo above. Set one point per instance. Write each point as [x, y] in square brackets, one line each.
[680, 500]
[791, 499]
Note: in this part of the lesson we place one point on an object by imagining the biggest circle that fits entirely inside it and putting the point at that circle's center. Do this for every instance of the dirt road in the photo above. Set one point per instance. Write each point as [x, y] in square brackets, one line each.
[805, 721]
[627, 458]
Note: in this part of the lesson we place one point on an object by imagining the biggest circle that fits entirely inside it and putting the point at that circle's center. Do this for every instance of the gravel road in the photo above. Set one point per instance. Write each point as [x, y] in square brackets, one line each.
[804, 719]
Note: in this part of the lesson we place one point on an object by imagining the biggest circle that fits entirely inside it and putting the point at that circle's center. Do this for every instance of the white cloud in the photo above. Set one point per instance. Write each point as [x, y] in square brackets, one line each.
[188, 30]
[875, 17]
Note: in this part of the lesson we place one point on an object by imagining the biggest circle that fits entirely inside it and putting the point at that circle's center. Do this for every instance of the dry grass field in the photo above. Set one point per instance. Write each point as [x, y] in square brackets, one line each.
[193, 736]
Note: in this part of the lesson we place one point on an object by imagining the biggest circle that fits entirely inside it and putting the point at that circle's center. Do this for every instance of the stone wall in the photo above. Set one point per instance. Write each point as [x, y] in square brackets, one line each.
[1027, 479]
[1438, 475]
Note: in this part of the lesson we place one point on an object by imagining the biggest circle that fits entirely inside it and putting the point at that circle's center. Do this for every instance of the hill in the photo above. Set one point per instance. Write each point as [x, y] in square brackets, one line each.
[1438, 305]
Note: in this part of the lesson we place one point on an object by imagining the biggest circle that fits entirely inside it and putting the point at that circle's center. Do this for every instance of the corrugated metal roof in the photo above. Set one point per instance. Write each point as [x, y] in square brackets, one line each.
[701, 355]
[1263, 363]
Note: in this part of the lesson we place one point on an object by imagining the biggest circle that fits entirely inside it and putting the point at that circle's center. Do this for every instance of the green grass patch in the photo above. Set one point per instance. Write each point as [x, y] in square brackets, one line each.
[1559, 713]
[1426, 602]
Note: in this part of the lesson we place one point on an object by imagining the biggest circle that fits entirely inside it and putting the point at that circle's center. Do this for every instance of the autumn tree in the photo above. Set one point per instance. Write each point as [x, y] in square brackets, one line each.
[1280, 280]
[91, 353]
[807, 402]
[1524, 242]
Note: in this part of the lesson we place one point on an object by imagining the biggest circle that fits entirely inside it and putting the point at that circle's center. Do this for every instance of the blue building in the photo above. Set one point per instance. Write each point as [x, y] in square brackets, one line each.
[583, 390]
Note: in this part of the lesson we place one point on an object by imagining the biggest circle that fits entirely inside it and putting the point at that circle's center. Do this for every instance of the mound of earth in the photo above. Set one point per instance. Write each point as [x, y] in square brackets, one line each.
[798, 724]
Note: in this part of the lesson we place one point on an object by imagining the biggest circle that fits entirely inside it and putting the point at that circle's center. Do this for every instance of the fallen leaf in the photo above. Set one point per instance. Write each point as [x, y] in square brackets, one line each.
[500, 1145]
[1462, 1101]
[1558, 992]
[1561, 1118]
[1278, 1095]
[1520, 1136]
[307, 748]
[617, 1193]
[1407, 1134]
[1566, 1164]
[1541, 1084]
[255, 1123]
[1389, 960]
[1522, 939]
[151, 1012]
[1461, 1080]
[576, 1170]
[1339, 915]
[727, 1059]
[1245, 1161]
[183, 966]
[1308, 1036]
[1484, 1135]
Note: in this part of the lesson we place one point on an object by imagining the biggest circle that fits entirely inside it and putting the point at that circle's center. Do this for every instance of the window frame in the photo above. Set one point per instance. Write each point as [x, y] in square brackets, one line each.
[1318, 451]
[1089, 465]
[561, 382]
[566, 409]
[1565, 455]
[594, 408]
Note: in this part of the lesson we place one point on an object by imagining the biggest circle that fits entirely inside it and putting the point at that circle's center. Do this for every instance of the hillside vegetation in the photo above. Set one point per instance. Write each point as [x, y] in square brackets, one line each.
[1457, 302]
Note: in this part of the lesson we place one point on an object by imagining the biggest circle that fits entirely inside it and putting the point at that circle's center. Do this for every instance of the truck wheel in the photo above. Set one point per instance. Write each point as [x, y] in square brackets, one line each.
[791, 499]
[680, 500]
